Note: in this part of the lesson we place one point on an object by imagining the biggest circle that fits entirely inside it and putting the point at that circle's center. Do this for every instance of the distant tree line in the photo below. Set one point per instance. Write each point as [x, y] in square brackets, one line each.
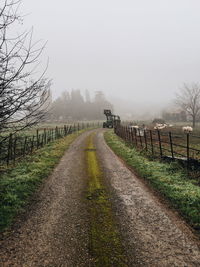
[175, 116]
[74, 106]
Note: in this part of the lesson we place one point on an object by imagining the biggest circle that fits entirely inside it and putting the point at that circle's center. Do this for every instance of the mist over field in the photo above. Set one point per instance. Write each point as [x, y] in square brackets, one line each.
[138, 51]
[99, 133]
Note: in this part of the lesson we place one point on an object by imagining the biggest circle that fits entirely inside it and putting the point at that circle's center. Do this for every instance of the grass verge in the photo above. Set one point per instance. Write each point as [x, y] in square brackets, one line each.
[105, 244]
[18, 184]
[167, 178]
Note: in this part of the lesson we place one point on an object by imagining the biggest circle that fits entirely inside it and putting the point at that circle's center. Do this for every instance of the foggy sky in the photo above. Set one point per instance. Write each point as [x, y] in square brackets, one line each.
[141, 51]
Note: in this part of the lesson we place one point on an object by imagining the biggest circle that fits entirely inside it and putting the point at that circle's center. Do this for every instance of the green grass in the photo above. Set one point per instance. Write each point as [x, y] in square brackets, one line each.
[105, 243]
[19, 183]
[167, 178]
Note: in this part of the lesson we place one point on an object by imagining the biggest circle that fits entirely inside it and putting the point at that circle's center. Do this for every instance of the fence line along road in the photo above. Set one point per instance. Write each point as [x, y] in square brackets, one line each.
[184, 147]
[15, 147]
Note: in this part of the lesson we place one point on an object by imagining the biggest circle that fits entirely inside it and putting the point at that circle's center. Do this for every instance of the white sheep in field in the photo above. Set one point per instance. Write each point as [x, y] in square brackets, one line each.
[135, 127]
[132, 127]
[160, 126]
[187, 129]
[138, 129]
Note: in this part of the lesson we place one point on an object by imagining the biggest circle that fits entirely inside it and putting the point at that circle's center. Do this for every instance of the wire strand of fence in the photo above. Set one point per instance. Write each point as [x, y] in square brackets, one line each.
[161, 143]
[15, 147]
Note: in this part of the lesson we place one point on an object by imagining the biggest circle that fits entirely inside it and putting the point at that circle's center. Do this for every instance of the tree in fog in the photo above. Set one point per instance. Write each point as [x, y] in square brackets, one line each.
[87, 96]
[188, 99]
[22, 96]
[100, 103]
[174, 115]
[77, 105]
[74, 106]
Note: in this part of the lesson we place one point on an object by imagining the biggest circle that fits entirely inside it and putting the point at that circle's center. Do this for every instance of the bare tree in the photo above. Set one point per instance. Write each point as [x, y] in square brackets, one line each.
[23, 91]
[188, 99]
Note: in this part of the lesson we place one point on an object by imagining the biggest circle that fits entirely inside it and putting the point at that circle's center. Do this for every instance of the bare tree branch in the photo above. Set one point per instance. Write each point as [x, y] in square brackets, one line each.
[188, 99]
[22, 98]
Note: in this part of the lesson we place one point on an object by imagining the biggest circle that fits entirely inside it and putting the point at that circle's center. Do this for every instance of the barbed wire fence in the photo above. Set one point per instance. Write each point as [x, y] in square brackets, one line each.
[14, 147]
[158, 143]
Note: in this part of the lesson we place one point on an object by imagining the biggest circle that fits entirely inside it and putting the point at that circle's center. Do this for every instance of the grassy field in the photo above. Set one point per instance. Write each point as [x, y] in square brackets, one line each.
[13, 147]
[176, 125]
[178, 138]
[52, 125]
[18, 184]
[169, 179]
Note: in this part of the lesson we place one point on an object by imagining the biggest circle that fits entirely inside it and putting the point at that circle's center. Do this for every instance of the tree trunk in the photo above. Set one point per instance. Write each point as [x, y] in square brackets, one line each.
[193, 121]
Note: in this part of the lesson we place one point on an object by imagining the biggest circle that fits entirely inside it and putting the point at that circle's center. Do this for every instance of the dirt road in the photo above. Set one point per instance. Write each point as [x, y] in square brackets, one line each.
[56, 229]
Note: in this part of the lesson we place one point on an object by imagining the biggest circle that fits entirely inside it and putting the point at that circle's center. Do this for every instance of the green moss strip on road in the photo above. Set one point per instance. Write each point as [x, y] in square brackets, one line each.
[105, 244]
[18, 184]
[167, 178]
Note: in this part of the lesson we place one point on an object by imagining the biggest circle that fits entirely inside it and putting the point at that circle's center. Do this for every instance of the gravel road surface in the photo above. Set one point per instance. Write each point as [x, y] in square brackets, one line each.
[55, 230]
[152, 234]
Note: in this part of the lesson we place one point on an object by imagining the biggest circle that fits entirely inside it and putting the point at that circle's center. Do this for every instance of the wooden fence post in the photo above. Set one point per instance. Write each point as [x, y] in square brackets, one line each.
[140, 138]
[37, 133]
[14, 149]
[171, 144]
[11, 146]
[136, 143]
[49, 136]
[160, 145]
[56, 133]
[24, 149]
[145, 140]
[128, 133]
[65, 130]
[125, 133]
[9, 153]
[43, 140]
[45, 136]
[130, 136]
[118, 130]
[52, 134]
[39, 142]
[188, 149]
[122, 132]
[32, 143]
[151, 138]
[132, 139]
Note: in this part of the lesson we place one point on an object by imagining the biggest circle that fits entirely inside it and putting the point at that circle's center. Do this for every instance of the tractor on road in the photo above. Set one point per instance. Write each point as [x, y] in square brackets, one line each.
[111, 120]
